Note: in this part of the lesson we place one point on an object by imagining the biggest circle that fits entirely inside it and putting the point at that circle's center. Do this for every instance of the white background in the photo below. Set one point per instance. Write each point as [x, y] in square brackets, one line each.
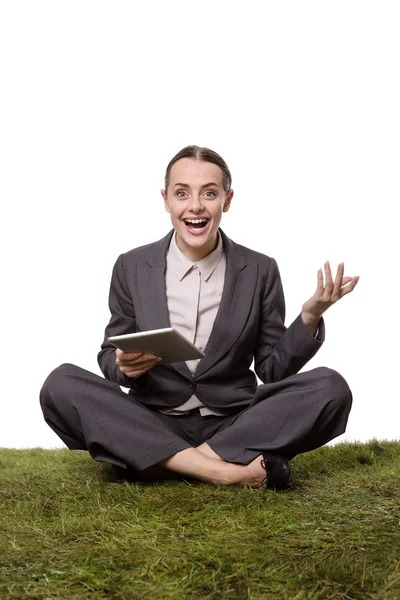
[300, 98]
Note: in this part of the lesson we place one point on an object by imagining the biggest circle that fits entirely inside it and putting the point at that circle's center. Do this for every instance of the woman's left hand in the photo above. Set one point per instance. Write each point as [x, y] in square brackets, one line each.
[326, 295]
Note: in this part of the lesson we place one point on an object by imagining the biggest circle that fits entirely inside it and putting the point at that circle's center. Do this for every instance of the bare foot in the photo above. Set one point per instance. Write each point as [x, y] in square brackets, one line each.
[252, 474]
[193, 463]
[205, 449]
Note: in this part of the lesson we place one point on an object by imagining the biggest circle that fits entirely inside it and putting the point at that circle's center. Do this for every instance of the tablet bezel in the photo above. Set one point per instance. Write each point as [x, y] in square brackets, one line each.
[167, 343]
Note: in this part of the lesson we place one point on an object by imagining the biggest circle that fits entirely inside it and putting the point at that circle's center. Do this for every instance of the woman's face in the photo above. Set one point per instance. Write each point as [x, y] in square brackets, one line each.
[196, 200]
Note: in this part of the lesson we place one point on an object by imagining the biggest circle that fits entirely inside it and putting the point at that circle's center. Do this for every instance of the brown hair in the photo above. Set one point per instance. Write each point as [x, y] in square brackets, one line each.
[201, 153]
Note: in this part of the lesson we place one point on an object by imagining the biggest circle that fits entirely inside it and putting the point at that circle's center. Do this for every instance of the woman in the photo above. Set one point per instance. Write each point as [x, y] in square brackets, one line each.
[206, 419]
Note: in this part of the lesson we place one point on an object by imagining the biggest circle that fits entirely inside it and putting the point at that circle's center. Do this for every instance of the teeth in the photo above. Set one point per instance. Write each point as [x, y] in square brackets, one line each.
[196, 220]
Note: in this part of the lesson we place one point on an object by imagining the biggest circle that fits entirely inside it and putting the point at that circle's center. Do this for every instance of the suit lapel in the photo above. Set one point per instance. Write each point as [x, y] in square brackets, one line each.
[151, 276]
[151, 288]
[236, 301]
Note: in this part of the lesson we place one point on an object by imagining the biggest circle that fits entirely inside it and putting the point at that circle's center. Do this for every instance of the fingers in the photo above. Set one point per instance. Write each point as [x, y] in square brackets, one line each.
[140, 363]
[328, 278]
[129, 372]
[134, 364]
[346, 280]
[339, 274]
[139, 368]
[334, 290]
[338, 283]
[350, 285]
[132, 358]
[320, 281]
[331, 292]
[121, 355]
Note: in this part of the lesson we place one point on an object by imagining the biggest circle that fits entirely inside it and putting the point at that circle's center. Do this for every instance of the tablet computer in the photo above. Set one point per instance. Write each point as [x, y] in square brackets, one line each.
[167, 343]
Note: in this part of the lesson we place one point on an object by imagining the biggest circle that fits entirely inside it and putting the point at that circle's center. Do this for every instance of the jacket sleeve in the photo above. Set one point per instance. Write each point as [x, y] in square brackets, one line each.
[122, 321]
[280, 351]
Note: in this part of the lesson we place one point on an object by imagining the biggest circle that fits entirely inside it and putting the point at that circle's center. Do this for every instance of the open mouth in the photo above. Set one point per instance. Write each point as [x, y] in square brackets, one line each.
[195, 225]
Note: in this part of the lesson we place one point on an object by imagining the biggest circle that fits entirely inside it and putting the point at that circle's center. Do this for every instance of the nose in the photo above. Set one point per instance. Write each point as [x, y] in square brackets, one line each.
[195, 204]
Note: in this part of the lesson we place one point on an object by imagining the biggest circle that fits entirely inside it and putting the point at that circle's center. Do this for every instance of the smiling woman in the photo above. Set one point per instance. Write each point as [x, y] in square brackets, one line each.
[207, 418]
[197, 192]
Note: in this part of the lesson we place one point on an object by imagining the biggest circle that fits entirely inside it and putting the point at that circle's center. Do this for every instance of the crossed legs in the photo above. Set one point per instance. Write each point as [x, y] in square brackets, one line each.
[301, 413]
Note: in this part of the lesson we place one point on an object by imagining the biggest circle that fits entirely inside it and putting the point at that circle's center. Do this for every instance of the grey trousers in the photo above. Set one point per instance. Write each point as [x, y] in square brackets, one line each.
[298, 414]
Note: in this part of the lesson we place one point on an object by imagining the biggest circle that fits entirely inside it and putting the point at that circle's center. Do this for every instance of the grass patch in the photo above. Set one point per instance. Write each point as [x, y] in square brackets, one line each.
[68, 531]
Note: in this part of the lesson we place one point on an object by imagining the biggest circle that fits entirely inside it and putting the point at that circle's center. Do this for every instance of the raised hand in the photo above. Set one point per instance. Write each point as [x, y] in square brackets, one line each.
[326, 295]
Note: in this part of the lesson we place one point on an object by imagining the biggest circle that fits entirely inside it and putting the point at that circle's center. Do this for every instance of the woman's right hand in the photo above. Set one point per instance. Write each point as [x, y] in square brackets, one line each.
[134, 364]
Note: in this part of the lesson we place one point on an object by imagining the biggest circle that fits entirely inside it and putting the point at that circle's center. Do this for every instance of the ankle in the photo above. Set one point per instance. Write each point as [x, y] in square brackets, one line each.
[204, 448]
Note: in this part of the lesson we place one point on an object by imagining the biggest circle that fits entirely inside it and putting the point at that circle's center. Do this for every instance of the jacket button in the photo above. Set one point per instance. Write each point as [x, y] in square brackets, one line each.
[191, 385]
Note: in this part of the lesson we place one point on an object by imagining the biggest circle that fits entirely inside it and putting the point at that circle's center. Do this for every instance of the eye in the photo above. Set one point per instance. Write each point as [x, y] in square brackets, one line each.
[180, 193]
[210, 192]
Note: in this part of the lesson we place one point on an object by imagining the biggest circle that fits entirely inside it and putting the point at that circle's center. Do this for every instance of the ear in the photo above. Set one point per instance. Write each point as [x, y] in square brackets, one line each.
[228, 200]
[166, 204]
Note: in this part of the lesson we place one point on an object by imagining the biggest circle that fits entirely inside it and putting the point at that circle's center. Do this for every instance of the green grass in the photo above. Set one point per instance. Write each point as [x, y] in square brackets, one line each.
[67, 531]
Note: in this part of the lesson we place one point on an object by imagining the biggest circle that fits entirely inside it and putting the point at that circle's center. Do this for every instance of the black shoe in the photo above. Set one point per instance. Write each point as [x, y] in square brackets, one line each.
[122, 474]
[277, 468]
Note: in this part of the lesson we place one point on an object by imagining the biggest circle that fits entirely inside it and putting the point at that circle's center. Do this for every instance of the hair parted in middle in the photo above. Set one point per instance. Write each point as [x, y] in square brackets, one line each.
[205, 154]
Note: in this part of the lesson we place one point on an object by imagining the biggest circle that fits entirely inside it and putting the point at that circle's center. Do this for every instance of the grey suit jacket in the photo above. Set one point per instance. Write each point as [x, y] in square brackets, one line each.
[249, 325]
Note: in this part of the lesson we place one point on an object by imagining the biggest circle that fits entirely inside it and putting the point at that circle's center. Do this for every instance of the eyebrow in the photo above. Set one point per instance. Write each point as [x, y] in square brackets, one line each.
[203, 186]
